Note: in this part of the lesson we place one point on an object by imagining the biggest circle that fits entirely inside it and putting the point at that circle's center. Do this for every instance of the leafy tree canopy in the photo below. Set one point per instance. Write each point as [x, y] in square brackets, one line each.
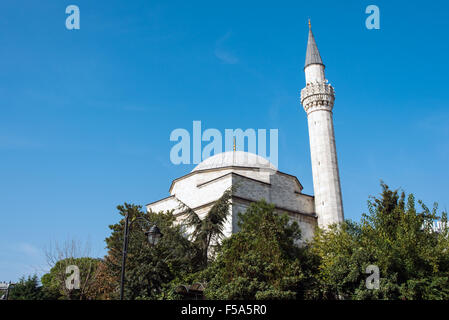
[54, 282]
[397, 237]
[208, 231]
[27, 289]
[261, 261]
[148, 269]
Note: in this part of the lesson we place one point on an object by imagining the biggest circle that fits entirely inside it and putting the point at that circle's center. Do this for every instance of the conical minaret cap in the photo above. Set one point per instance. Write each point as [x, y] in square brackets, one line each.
[312, 54]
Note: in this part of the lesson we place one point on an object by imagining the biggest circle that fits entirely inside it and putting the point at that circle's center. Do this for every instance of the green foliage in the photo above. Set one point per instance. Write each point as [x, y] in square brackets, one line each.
[149, 269]
[261, 261]
[50, 288]
[208, 230]
[395, 236]
[54, 282]
[27, 289]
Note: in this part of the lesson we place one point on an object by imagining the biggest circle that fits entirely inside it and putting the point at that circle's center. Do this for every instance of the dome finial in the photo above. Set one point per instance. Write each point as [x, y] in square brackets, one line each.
[234, 143]
[310, 25]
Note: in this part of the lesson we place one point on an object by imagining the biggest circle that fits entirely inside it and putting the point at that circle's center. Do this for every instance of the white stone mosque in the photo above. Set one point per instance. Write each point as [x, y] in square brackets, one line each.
[255, 178]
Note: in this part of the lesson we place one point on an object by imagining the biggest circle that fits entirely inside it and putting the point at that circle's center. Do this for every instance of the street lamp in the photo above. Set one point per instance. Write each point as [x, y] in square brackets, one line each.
[153, 236]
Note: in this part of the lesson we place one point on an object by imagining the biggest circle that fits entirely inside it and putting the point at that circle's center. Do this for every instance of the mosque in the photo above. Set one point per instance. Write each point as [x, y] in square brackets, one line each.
[255, 178]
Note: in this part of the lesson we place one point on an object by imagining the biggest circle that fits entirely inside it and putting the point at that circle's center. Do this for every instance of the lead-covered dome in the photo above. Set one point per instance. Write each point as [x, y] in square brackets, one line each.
[235, 159]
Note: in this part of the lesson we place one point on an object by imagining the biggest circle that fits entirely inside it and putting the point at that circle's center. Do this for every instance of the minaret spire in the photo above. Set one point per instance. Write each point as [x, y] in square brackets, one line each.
[317, 99]
[312, 54]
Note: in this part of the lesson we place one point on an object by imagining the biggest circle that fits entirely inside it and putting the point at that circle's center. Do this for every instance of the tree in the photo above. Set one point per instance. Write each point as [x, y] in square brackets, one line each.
[55, 281]
[395, 236]
[61, 258]
[148, 269]
[261, 261]
[208, 231]
[26, 289]
[105, 284]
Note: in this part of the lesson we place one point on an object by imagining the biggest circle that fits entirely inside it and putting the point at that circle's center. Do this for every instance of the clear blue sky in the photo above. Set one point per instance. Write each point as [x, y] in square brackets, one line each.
[86, 115]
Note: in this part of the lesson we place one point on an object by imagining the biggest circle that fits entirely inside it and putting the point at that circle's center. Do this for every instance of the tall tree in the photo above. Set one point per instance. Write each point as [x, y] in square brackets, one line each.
[208, 231]
[148, 268]
[395, 236]
[55, 281]
[105, 284]
[66, 259]
[261, 261]
[26, 289]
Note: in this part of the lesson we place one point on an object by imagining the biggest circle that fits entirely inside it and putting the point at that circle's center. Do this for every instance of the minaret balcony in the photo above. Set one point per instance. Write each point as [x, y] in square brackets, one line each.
[317, 96]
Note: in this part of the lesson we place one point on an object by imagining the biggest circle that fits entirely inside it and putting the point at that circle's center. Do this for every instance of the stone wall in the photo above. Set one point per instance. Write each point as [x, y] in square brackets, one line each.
[199, 190]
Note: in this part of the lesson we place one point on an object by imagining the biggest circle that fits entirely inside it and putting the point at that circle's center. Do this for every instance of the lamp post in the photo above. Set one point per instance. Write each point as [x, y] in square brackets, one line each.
[153, 237]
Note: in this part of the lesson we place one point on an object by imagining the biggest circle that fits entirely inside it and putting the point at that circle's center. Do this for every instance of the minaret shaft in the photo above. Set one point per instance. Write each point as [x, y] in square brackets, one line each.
[318, 101]
[326, 178]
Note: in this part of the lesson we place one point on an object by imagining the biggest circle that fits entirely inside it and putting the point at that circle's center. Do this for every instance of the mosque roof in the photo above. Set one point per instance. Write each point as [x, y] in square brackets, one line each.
[235, 159]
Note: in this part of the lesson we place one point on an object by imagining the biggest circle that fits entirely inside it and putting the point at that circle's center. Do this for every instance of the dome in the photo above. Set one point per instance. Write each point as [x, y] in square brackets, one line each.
[236, 159]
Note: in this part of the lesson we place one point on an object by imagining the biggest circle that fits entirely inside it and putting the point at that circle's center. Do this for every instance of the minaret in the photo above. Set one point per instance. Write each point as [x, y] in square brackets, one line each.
[317, 99]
